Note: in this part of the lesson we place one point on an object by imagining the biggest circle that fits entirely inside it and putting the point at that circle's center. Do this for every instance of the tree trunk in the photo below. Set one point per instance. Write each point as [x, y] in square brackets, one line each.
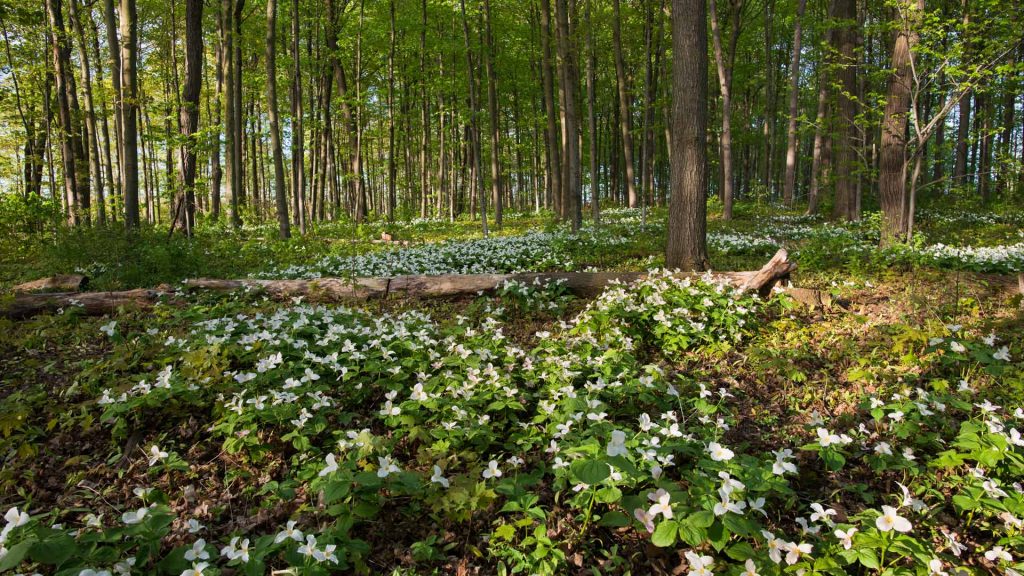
[687, 221]
[237, 172]
[391, 193]
[553, 161]
[571, 170]
[845, 36]
[492, 109]
[280, 193]
[625, 118]
[585, 284]
[789, 185]
[62, 75]
[189, 113]
[91, 132]
[112, 186]
[129, 110]
[216, 173]
[114, 47]
[725, 87]
[231, 162]
[892, 174]
[817, 154]
[297, 137]
[595, 187]
[474, 123]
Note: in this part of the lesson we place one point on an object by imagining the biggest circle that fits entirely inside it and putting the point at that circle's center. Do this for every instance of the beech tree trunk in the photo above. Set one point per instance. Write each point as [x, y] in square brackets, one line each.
[114, 48]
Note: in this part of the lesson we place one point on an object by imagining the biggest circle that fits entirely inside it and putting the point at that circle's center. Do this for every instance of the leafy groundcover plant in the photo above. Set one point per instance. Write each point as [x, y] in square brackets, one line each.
[590, 435]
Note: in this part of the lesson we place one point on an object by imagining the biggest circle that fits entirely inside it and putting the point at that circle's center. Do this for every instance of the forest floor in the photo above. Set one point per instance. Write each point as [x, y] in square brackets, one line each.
[663, 427]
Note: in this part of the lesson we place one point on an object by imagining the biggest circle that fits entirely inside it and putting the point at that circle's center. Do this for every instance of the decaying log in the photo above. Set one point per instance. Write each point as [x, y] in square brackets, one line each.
[818, 299]
[58, 283]
[584, 284]
[91, 303]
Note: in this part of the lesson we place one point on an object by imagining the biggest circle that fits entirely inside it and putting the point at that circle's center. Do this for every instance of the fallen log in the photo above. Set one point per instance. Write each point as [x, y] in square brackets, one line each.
[58, 283]
[91, 303]
[584, 284]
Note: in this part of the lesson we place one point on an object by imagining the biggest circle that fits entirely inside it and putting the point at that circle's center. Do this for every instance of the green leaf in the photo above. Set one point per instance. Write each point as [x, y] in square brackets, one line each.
[964, 502]
[701, 519]
[834, 461]
[54, 550]
[740, 551]
[15, 555]
[867, 557]
[336, 490]
[591, 471]
[505, 532]
[614, 519]
[665, 534]
[691, 534]
[608, 495]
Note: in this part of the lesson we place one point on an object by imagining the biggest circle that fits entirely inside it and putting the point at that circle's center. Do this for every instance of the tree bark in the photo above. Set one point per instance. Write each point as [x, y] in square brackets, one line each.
[91, 133]
[687, 220]
[595, 187]
[789, 185]
[62, 75]
[129, 111]
[297, 139]
[817, 154]
[392, 165]
[584, 284]
[189, 112]
[725, 87]
[280, 193]
[474, 123]
[553, 159]
[492, 109]
[892, 175]
[625, 118]
[237, 172]
[571, 169]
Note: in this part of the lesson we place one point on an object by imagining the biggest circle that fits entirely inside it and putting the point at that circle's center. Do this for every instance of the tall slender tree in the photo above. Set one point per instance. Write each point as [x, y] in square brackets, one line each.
[789, 184]
[625, 117]
[280, 191]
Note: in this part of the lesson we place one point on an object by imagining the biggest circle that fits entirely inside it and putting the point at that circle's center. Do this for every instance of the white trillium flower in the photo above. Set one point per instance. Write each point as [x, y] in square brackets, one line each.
[699, 565]
[438, 478]
[492, 470]
[197, 551]
[891, 520]
[719, 453]
[156, 455]
[331, 467]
